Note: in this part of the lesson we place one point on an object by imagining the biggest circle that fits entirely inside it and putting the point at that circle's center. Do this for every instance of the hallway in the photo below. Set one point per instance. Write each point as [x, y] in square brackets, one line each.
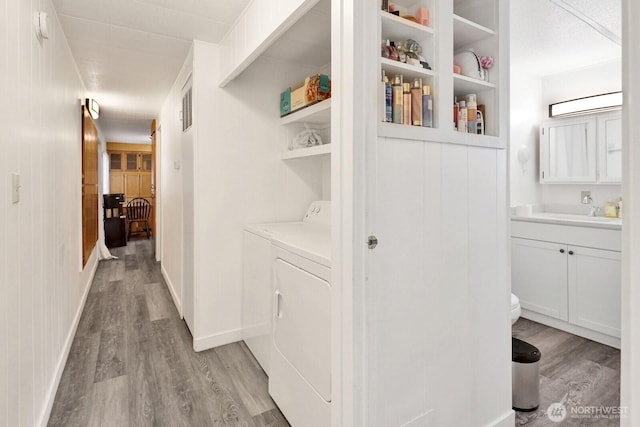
[132, 362]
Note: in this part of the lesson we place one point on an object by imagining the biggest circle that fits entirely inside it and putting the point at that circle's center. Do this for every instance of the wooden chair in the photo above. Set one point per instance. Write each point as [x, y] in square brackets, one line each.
[137, 211]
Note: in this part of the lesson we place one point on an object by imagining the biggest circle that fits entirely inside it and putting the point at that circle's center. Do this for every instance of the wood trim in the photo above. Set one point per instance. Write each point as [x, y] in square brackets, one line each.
[124, 146]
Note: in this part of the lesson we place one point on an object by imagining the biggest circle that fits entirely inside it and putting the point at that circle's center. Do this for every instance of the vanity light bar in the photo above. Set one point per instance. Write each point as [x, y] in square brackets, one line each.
[587, 105]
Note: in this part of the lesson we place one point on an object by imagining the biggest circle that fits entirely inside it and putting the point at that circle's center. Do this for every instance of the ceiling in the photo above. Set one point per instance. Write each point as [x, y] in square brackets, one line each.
[547, 39]
[129, 52]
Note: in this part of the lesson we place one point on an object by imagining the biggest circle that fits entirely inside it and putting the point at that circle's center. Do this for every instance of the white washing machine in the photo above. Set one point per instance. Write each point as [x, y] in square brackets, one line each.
[299, 364]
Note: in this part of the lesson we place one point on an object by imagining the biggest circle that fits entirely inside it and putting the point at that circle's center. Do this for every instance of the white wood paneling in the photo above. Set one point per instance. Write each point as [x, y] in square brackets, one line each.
[41, 286]
[437, 276]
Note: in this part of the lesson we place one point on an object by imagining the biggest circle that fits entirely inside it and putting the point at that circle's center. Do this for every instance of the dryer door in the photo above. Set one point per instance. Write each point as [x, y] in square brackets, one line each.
[302, 330]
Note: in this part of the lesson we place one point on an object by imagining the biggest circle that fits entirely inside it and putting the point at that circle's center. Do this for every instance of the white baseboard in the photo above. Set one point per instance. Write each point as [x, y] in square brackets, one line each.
[172, 290]
[62, 361]
[216, 340]
[571, 328]
[507, 420]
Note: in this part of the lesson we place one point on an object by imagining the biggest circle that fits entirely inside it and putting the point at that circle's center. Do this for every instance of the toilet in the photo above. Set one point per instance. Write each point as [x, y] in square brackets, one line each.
[515, 308]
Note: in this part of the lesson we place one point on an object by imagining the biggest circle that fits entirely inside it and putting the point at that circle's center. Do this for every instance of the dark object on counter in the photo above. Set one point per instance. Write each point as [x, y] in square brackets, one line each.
[425, 65]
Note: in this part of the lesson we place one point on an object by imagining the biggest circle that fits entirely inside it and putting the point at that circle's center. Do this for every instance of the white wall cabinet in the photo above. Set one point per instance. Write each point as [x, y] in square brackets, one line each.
[587, 149]
[610, 148]
[563, 284]
[568, 150]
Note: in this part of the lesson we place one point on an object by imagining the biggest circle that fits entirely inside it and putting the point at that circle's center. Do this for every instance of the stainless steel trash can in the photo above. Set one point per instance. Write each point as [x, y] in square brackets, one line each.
[525, 373]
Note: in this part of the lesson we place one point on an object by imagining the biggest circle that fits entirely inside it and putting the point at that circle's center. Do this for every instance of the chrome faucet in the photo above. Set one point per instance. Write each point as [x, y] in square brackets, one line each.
[587, 200]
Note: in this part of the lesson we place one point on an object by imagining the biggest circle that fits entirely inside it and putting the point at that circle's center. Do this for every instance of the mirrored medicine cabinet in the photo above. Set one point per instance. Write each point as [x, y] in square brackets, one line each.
[586, 149]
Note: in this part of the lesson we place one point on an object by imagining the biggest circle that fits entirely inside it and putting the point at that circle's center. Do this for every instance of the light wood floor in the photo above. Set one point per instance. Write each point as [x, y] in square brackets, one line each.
[573, 370]
[132, 362]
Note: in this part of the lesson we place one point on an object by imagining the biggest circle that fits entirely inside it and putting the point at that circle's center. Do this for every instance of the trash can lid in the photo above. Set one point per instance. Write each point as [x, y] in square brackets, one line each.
[523, 352]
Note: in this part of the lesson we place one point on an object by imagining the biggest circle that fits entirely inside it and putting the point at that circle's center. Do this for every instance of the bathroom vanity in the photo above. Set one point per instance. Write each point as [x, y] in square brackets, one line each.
[566, 271]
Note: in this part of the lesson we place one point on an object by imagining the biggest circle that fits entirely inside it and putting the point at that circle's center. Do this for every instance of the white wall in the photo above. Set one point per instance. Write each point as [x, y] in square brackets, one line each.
[239, 179]
[170, 177]
[526, 113]
[235, 176]
[42, 289]
[530, 98]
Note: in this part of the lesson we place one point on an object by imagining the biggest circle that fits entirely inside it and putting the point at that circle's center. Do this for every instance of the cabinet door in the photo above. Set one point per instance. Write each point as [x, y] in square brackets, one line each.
[116, 182]
[539, 276]
[568, 151]
[131, 163]
[594, 289]
[132, 185]
[145, 162]
[610, 147]
[115, 161]
[145, 185]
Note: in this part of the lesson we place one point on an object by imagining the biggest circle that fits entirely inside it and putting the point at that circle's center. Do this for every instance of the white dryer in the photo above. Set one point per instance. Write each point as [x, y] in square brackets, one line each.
[299, 364]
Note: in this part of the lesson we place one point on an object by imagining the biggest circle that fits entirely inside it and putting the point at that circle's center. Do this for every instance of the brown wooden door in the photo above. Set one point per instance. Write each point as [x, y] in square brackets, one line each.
[89, 186]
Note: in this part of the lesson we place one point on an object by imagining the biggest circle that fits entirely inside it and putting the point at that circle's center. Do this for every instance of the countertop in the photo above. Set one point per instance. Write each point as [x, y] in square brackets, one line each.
[572, 220]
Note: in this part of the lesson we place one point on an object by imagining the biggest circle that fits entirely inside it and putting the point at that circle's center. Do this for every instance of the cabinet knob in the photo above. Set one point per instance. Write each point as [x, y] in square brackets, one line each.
[570, 252]
[561, 251]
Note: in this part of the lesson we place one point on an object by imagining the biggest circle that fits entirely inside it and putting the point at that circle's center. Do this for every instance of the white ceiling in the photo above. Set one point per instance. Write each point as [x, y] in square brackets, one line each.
[547, 39]
[129, 52]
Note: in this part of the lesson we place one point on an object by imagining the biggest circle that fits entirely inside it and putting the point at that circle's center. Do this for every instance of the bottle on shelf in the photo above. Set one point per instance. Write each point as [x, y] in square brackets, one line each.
[427, 106]
[406, 103]
[472, 118]
[416, 102]
[383, 97]
[462, 117]
[388, 101]
[423, 16]
[456, 112]
[397, 99]
[479, 123]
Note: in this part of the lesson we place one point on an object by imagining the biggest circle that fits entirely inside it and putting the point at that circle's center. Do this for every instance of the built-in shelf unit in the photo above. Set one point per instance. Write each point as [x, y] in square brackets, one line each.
[468, 25]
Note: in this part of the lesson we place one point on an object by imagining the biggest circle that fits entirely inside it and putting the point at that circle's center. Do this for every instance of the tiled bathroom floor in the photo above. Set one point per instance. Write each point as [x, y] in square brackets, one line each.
[577, 372]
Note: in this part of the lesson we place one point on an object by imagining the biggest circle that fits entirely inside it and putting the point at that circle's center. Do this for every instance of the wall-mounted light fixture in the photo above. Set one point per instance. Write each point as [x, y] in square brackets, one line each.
[40, 21]
[93, 107]
[587, 105]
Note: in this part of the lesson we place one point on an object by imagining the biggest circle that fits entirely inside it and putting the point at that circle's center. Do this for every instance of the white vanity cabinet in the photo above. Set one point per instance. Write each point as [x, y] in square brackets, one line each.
[568, 277]
[539, 276]
[594, 289]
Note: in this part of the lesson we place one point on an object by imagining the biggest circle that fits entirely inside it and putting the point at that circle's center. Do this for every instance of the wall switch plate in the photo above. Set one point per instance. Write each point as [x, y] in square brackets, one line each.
[15, 188]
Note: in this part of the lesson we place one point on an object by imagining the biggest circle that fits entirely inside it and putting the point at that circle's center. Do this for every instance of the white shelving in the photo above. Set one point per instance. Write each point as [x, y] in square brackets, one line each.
[464, 85]
[450, 136]
[396, 28]
[467, 32]
[396, 67]
[306, 152]
[319, 113]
